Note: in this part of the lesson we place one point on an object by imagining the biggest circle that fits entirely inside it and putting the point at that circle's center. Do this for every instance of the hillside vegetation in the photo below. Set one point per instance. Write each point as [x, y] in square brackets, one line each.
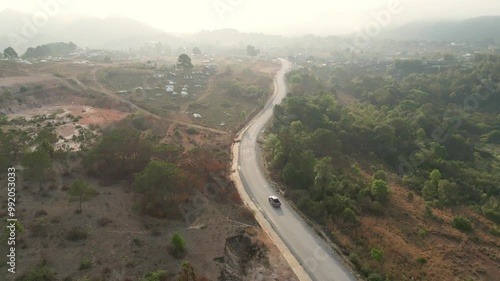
[473, 29]
[404, 176]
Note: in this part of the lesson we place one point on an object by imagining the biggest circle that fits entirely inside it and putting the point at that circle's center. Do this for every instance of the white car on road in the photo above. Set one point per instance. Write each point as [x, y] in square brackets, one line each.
[274, 201]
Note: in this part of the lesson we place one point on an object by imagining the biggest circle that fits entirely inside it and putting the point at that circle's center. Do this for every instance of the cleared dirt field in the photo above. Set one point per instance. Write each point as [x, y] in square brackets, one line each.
[13, 81]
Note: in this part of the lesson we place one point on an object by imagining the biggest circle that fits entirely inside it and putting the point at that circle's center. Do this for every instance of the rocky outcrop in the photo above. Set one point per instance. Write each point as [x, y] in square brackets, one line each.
[244, 258]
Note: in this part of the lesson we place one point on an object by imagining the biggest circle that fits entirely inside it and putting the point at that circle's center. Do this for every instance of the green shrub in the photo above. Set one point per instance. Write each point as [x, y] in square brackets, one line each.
[462, 223]
[428, 214]
[494, 137]
[410, 196]
[103, 221]
[178, 245]
[177, 134]
[40, 229]
[192, 131]
[381, 175]
[77, 233]
[353, 257]
[137, 241]
[495, 231]
[422, 261]
[366, 270]
[376, 208]
[493, 215]
[39, 273]
[86, 263]
[380, 191]
[421, 232]
[158, 275]
[375, 277]
[40, 213]
[138, 122]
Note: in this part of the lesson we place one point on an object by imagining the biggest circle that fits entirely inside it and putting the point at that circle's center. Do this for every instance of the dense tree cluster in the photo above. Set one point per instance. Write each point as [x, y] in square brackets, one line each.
[184, 63]
[424, 127]
[10, 53]
[52, 49]
[119, 154]
[308, 149]
[250, 92]
[252, 51]
[196, 51]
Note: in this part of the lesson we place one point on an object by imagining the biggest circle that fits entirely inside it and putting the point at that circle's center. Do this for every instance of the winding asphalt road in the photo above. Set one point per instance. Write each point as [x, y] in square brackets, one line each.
[316, 257]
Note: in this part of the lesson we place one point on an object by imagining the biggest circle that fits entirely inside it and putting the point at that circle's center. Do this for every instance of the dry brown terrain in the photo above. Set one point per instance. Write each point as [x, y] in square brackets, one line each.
[407, 235]
[122, 244]
[119, 242]
[450, 254]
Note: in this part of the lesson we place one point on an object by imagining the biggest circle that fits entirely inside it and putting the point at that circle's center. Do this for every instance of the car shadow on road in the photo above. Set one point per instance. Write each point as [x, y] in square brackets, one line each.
[279, 211]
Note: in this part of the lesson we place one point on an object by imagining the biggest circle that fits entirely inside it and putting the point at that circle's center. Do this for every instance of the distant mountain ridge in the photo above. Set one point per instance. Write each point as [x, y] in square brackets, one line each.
[474, 29]
[125, 33]
[108, 33]
[233, 37]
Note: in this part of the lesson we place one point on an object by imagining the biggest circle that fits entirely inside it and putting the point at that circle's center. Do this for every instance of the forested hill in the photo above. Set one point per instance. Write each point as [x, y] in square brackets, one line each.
[474, 29]
[406, 156]
[84, 31]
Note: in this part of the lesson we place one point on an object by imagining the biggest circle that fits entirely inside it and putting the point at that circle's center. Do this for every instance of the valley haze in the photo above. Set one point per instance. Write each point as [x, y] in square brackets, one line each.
[250, 140]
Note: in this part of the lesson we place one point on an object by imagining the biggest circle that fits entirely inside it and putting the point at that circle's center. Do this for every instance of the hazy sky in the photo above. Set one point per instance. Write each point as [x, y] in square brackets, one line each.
[268, 16]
